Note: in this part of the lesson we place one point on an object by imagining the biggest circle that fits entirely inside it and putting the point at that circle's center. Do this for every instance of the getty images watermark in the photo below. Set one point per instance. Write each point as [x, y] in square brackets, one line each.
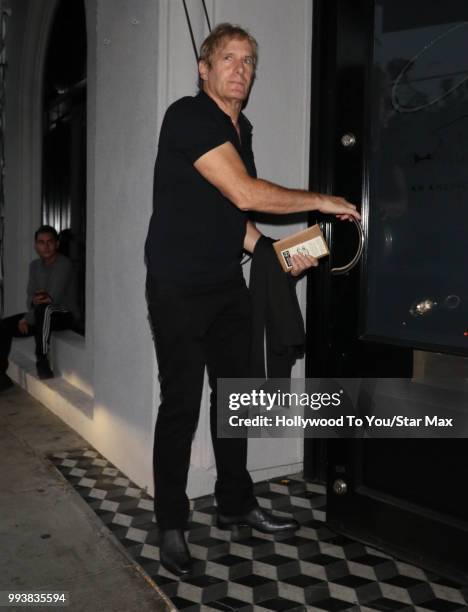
[345, 408]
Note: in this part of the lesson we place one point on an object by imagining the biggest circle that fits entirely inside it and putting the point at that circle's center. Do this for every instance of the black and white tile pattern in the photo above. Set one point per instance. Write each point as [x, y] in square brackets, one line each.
[313, 569]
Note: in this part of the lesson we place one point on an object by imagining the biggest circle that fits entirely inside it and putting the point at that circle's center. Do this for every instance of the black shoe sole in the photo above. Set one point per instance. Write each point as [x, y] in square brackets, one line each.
[243, 525]
[172, 570]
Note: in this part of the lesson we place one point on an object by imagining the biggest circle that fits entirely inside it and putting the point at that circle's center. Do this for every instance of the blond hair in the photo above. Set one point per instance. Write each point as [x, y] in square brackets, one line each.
[222, 31]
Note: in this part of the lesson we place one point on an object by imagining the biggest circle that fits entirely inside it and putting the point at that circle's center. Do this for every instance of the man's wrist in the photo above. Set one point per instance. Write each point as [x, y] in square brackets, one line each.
[316, 200]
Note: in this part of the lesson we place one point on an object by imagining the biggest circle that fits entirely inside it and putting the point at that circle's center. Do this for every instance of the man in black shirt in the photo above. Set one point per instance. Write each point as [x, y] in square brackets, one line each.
[205, 183]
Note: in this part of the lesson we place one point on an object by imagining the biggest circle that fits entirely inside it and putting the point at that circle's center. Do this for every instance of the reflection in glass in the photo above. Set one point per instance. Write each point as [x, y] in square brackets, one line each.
[417, 285]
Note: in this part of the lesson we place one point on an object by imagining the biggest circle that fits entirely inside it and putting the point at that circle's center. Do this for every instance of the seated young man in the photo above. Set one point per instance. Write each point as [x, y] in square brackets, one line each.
[51, 303]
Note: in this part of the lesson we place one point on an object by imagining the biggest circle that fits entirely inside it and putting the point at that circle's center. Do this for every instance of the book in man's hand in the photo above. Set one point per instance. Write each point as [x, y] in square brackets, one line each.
[306, 242]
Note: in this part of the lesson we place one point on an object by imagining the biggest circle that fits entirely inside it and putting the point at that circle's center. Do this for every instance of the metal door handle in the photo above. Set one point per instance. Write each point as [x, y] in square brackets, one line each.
[350, 265]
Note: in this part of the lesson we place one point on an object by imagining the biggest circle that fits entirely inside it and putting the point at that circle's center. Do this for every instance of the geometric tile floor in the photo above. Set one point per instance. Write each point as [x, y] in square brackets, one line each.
[312, 569]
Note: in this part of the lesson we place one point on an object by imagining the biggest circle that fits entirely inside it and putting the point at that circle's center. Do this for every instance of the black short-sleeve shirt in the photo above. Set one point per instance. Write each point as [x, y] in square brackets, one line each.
[195, 234]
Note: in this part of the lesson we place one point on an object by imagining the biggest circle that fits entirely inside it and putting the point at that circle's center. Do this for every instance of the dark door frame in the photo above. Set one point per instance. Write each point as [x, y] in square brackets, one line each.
[326, 352]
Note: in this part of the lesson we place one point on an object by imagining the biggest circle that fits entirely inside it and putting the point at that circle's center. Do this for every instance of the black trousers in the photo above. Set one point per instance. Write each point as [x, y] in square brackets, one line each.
[48, 318]
[194, 328]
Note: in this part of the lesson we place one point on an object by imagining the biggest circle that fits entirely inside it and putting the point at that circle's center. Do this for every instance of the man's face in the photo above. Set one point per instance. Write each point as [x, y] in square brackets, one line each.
[46, 246]
[231, 72]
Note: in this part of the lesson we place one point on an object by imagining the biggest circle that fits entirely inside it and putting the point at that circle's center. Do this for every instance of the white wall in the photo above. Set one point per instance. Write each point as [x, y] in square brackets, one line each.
[124, 151]
[140, 59]
[26, 26]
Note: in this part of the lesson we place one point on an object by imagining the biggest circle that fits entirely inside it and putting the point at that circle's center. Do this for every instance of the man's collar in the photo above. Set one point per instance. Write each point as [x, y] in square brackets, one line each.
[208, 100]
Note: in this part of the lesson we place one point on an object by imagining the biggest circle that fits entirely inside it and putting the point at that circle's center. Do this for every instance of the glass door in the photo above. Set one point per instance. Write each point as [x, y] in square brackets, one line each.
[390, 133]
[416, 282]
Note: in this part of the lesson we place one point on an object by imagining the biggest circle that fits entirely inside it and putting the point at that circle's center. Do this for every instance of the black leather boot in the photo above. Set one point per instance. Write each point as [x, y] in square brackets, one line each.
[43, 368]
[174, 553]
[258, 519]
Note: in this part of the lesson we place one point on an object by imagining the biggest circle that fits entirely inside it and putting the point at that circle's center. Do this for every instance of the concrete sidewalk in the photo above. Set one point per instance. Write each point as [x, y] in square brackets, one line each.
[49, 538]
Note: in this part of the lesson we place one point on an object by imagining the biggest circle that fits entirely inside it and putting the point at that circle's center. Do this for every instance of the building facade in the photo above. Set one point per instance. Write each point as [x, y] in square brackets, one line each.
[139, 60]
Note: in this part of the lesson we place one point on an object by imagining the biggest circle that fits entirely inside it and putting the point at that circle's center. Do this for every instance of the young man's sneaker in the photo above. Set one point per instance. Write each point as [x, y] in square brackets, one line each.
[5, 382]
[43, 368]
